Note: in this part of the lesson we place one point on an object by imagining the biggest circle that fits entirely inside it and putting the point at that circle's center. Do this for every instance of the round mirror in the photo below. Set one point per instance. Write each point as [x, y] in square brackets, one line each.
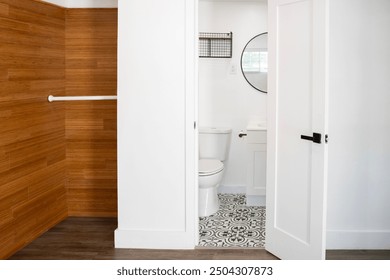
[254, 62]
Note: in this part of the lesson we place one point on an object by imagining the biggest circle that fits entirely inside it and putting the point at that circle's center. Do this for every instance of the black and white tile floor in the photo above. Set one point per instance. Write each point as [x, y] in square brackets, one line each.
[234, 225]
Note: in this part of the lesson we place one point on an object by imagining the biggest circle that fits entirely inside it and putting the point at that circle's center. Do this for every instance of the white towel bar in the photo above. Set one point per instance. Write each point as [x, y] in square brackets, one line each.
[52, 98]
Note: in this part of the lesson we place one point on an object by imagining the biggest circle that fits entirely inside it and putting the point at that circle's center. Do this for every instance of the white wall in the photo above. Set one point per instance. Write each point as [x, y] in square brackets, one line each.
[227, 99]
[359, 127]
[157, 176]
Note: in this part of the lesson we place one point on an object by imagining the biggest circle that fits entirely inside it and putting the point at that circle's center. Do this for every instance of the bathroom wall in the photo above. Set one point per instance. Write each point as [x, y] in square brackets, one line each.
[91, 69]
[225, 97]
[32, 131]
[359, 145]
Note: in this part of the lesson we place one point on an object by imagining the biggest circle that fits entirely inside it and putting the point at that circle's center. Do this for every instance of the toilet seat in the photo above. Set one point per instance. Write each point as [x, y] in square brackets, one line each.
[209, 167]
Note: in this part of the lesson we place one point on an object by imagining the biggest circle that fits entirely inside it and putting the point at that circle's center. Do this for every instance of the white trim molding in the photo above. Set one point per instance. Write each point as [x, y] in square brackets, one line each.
[84, 3]
[358, 239]
[147, 239]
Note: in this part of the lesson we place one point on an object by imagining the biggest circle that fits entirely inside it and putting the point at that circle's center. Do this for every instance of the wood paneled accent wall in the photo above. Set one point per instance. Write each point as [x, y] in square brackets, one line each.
[91, 69]
[32, 131]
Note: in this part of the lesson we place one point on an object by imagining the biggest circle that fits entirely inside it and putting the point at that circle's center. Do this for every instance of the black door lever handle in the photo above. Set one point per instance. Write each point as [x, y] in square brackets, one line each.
[316, 138]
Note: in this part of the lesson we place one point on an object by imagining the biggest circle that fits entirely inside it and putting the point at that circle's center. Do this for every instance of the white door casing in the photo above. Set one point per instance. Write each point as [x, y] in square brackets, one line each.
[297, 105]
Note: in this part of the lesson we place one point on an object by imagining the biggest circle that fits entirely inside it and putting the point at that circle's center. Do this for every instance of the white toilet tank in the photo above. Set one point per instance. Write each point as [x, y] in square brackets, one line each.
[214, 142]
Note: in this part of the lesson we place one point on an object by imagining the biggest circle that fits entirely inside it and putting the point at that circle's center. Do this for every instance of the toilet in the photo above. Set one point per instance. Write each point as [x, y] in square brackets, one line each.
[214, 146]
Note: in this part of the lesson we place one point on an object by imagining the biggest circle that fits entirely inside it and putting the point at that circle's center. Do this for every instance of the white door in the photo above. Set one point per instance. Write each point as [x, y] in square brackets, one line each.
[297, 96]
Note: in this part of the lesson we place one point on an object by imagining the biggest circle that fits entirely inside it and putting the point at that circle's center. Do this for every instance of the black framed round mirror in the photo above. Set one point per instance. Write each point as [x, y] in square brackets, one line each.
[254, 62]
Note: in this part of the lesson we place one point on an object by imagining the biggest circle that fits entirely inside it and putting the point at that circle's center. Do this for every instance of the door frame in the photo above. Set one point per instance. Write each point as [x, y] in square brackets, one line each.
[321, 78]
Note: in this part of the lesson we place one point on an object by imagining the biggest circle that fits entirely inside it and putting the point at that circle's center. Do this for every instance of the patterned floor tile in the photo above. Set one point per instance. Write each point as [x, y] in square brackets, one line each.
[234, 225]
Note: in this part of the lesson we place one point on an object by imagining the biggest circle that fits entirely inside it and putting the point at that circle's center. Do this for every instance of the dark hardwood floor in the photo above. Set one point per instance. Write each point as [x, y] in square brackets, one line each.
[358, 255]
[93, 239]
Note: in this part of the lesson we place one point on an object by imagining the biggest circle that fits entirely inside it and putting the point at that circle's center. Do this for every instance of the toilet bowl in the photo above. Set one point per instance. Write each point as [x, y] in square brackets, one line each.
[214, 145]
[210, 176]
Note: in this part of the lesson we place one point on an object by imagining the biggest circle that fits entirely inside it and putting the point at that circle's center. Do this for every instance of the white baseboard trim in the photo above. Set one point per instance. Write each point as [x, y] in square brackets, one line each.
[153, 239]
[355, 240]
[232, 189]
[255, 200]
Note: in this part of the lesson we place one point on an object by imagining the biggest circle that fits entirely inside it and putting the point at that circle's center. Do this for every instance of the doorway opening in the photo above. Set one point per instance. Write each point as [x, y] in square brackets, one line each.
[227, 100]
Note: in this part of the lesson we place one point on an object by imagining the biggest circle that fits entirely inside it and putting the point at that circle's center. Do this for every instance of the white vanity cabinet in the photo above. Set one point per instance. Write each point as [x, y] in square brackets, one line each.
[257, 162]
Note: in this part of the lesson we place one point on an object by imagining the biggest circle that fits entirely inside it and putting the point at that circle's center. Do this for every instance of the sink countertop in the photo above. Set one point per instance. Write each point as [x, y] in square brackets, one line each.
[256, 126]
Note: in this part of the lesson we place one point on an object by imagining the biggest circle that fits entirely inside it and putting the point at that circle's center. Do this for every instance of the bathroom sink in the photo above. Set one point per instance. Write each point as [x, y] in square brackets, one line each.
[256, 132]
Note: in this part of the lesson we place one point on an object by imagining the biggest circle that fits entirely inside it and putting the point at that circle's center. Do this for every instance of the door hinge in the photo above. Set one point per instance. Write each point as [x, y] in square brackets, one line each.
[194, 125]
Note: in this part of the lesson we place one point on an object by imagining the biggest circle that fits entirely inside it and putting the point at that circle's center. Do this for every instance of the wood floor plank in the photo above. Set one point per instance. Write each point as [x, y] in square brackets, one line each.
[358, 255]
[93, 239]
[79, 238]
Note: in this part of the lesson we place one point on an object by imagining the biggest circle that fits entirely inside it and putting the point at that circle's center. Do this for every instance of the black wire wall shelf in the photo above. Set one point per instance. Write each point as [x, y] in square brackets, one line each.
[215, 45]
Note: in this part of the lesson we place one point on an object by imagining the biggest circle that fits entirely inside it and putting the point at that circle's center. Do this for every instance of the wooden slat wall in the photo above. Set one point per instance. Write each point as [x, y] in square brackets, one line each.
[32, 131]
[91, 69]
